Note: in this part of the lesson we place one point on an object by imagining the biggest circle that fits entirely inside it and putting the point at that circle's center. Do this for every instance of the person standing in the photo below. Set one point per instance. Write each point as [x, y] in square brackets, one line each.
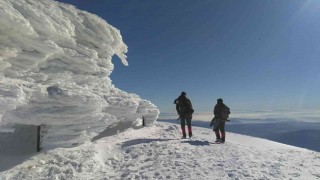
[221, 114]
[185, 110]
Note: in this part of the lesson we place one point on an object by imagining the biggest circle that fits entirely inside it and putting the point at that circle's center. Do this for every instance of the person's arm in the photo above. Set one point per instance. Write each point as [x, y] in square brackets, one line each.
[177, 107]
[228, 109]
[215, 110]
[190, 104]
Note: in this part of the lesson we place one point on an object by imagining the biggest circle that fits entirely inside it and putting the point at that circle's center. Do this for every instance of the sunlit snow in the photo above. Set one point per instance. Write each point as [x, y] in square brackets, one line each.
[157, 152]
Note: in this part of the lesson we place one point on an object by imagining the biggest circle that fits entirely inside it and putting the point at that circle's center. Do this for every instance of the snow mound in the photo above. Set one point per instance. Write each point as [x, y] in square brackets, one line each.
[55, 63]
[157, 152]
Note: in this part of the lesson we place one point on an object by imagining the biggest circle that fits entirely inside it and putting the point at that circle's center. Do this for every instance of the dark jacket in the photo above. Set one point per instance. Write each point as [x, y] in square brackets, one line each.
[221, 111]
[183, 105]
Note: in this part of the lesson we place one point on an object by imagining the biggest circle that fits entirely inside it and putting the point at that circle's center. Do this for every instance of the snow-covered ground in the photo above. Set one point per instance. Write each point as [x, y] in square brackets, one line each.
[296, 128]
[157, 152]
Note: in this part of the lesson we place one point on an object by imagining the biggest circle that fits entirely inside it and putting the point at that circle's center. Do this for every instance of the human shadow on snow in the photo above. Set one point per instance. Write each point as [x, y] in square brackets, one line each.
[142, 141]
[197, 143]
[284, 130]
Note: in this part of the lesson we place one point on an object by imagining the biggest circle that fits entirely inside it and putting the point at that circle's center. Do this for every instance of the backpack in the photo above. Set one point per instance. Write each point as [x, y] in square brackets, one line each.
[222, 111]
[185, 106]
[225, 113]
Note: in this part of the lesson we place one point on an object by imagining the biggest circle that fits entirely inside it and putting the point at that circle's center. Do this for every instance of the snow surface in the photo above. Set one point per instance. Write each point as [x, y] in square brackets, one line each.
[157, 152]
[55, 63]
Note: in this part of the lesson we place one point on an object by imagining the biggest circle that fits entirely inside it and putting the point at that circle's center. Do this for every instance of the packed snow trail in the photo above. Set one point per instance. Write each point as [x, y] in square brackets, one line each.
[157, 152]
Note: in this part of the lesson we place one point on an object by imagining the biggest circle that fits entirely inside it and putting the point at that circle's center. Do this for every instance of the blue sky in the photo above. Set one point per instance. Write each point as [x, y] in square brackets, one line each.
[256, 55]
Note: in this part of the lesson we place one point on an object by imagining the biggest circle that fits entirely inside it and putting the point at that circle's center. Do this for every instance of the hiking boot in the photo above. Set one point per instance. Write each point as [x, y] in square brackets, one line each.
[218, 140]
[190, 135]
[222, 140]
[184, 135]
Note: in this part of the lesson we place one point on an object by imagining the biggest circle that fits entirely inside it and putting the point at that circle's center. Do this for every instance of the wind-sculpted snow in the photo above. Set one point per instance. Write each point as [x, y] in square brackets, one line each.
[55, 63]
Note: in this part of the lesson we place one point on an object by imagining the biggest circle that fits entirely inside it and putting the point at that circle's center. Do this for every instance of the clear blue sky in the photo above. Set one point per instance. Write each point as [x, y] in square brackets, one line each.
[255, 54]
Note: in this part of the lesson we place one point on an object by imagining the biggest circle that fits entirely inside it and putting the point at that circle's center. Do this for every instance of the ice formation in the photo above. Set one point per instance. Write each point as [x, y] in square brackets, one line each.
[55, 63]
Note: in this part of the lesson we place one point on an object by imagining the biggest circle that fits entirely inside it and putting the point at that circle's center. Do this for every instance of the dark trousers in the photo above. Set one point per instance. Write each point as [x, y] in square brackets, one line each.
[219, 128]
[183, 120]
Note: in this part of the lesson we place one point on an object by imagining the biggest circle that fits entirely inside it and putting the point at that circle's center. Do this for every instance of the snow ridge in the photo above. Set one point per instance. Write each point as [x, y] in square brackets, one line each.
[55, 63]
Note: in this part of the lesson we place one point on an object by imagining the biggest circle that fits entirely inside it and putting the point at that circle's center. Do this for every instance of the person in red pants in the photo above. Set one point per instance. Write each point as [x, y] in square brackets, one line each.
[185, 110]
[221, 114]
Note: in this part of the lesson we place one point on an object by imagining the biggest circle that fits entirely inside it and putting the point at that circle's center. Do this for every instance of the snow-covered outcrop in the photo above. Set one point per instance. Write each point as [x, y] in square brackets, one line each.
[55, 63]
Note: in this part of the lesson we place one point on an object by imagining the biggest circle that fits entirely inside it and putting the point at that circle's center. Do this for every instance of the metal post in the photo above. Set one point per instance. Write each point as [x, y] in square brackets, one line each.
[143, 121]
[38, 138]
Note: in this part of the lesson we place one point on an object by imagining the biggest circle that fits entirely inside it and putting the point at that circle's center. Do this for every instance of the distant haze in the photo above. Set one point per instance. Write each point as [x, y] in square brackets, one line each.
[306, 116]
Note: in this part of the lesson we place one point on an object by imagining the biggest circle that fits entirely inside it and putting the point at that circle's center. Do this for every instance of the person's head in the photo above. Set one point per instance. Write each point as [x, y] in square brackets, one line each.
[220, 100]
[183, 93]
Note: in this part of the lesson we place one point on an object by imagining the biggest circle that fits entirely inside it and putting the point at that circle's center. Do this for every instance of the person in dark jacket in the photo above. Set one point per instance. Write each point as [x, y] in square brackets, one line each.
[221, 114]
[185, 110]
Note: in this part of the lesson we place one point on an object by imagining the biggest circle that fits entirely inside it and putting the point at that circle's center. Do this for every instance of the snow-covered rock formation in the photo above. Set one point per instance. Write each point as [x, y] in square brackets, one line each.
[55, 63]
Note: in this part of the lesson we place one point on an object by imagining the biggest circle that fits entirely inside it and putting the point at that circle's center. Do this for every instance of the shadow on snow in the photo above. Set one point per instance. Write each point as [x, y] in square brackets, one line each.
[288, 131]
[197, 142]
[142, 141]
[115, 129]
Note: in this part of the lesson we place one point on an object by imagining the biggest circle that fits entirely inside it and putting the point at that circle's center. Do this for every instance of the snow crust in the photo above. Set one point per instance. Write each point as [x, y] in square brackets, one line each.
[55, 63]
[157, 152]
